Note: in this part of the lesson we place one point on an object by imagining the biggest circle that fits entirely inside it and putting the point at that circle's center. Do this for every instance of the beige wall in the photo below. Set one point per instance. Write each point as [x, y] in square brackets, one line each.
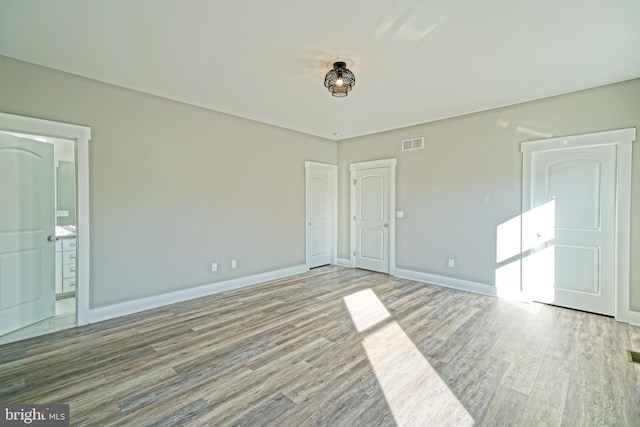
[467, 179]
[174, 187]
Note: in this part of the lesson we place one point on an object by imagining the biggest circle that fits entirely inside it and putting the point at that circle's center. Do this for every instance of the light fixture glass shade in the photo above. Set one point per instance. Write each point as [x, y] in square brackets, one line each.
[340, 80]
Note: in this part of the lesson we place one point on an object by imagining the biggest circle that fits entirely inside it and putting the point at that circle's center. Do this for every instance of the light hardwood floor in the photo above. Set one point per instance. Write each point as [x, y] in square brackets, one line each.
[336, 347]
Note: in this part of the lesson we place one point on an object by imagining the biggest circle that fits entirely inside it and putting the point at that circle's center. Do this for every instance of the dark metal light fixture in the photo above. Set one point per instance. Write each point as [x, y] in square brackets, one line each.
[340, 80]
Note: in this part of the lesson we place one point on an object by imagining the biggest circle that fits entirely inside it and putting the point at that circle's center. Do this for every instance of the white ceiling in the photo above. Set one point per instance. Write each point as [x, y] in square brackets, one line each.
[415, 61]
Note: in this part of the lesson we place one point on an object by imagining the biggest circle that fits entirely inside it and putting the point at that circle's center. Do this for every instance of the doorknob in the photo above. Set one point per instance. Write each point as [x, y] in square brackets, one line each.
[52, 238]
[386, 225]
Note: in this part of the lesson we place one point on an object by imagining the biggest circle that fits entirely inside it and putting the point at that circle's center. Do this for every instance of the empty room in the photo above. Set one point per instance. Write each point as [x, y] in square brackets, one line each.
[409, 213]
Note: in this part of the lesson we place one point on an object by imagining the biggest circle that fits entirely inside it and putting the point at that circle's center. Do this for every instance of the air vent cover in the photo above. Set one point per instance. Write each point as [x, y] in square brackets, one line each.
[413, 143]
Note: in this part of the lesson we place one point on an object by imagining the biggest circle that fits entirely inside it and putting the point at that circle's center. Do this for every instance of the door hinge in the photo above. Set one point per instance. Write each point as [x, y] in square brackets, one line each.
[354, 217]
[354, 181]
[354, 253]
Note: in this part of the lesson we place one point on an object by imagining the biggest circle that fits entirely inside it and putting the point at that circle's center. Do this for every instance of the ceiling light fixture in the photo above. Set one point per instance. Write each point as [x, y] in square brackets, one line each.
[340, 80]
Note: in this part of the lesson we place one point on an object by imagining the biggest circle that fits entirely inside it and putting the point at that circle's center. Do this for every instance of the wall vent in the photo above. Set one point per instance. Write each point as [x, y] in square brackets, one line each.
[413, 144]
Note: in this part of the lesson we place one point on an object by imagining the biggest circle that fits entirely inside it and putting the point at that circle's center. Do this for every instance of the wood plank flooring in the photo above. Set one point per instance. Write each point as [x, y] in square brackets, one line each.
[296, 352]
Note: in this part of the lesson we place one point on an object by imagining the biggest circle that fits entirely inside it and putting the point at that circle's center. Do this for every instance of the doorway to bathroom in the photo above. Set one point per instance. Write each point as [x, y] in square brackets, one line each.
[43, 253]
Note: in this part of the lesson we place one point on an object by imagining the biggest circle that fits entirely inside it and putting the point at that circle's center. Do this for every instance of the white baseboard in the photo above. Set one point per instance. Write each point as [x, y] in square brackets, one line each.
[130, 307]
[344, 262]
[448, 282]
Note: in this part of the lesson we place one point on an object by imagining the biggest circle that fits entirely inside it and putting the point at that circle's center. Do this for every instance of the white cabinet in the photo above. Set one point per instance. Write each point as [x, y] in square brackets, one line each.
[69, 285]
[68, 257]
[66, 265]
[69, 244]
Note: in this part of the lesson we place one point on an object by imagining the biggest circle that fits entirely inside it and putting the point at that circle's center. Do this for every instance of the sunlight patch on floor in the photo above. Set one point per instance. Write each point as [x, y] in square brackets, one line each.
[366, 309]
[414, 391]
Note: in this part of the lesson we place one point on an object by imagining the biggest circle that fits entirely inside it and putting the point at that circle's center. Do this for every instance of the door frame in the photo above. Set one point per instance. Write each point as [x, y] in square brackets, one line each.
[391, 164]
[333, 197]
[81, 135]
[621, 139]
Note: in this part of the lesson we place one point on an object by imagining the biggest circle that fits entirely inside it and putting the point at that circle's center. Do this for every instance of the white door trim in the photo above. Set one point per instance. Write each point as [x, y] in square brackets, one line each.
[622, 139]
[391, 164]
[333, 172]
[82, 136]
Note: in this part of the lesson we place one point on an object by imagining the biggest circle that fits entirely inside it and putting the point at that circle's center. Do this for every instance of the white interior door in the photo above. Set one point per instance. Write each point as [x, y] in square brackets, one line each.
[320, 194]
[27, 219]
[371, 218]
[570, 227]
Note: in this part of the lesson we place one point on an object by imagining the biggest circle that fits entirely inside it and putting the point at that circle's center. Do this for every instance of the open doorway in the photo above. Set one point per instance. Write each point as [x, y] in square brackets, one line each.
[38, 241]
[73, 303]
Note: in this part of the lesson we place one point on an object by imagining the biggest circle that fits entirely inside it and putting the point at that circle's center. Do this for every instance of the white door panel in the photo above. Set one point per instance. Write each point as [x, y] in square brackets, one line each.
[319, 230]
[578, 279]
[320, 210]
[575, 184]
[27, 286]
[372, 219]
[319, 242]
[572, 263]
[372, 244]
[372, 193]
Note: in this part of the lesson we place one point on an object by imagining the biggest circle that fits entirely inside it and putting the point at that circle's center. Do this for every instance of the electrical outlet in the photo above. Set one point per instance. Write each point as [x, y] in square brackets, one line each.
[234, 264]
[452, 263]
[214, 266]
